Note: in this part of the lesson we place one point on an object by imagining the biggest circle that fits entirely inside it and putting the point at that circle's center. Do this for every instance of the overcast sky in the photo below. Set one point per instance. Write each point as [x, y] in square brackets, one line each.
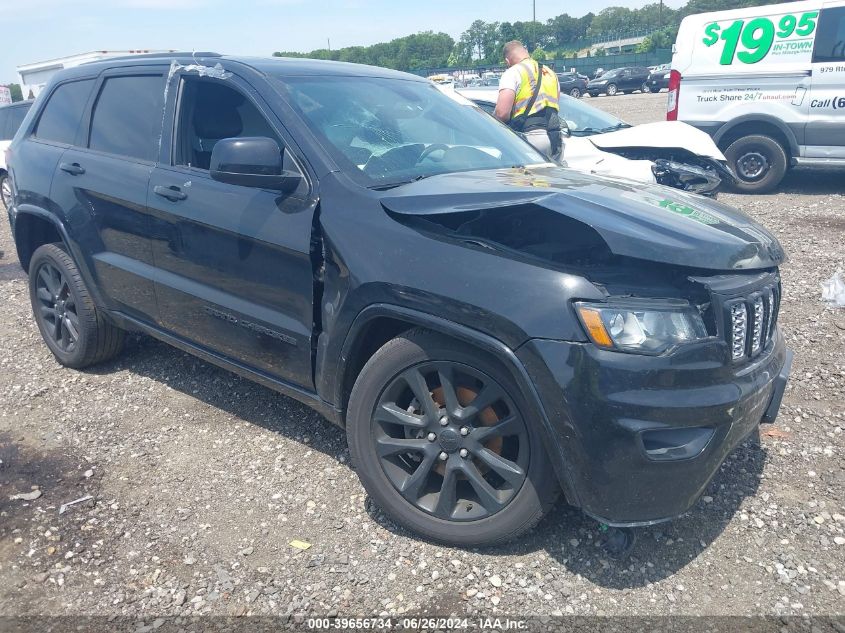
[36, 30]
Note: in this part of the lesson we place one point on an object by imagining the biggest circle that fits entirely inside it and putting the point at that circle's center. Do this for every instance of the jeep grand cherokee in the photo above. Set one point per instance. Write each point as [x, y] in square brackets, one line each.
[489, 328]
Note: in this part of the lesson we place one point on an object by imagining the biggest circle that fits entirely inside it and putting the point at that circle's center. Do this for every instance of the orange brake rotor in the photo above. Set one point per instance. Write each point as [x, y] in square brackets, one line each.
[487, 417]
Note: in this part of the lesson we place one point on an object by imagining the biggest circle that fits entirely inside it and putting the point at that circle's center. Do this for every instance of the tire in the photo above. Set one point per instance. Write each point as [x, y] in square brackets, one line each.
[56, 290]
[575, 93]
[372, 429]
[758, 161]
[646, 89]
[594, 95]
[5, 191]
[611, 90]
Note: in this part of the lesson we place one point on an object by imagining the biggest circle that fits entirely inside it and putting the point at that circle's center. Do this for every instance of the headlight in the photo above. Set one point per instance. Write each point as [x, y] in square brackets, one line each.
[645, 327]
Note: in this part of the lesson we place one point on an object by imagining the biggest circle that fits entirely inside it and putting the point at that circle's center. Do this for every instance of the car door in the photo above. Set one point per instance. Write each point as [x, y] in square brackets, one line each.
[624, 80]
[101, 185]
[825, 128]
[234, 265]
[641, 77]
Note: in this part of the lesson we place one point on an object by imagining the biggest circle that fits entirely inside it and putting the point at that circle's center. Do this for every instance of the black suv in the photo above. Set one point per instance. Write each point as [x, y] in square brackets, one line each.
[620, 81]
[489, 328]
[572, 84]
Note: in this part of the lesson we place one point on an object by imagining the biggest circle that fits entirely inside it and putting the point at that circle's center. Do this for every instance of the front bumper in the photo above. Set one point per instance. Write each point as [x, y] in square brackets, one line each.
[603, 404]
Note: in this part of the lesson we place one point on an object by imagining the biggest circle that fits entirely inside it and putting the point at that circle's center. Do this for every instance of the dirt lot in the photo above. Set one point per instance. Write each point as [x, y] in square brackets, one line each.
[200, 480]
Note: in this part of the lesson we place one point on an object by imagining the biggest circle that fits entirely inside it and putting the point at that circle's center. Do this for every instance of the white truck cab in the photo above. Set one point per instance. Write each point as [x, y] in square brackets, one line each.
[767, 83]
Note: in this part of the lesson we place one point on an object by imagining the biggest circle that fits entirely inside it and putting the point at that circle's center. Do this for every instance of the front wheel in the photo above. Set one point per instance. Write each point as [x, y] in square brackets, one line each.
[575, 93]
[443, 442]
[612, 90]
[72, 326]
[758, 161]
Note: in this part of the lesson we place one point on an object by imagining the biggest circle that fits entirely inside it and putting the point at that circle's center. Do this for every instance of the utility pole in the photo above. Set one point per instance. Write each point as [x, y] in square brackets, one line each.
[534, 22]
[329, 40]
[660, 16]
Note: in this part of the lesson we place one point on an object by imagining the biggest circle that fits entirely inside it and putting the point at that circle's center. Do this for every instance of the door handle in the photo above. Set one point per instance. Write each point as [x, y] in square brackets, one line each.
[174, 194]
[74, 169]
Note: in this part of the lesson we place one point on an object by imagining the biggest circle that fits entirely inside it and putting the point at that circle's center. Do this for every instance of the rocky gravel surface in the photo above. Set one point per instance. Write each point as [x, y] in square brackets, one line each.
[203, 493]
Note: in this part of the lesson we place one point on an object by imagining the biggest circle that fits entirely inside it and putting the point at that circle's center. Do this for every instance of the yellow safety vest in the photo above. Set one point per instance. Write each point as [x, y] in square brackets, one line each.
[549, 94]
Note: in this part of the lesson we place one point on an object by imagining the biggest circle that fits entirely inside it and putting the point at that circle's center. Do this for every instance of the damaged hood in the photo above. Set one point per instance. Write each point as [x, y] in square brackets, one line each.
[642, 221]
[662, 134]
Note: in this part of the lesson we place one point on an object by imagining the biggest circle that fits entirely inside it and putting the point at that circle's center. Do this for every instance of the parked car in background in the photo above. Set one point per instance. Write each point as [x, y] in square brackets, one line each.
[572, 84]
[678, 156]
[619, 81]
[11, 117]
[481, 82]
[488, 328]
[657, 80]
[768, 84]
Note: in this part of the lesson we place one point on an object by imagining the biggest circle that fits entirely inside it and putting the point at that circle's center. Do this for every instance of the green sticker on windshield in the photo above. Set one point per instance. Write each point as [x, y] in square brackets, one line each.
[687, 211]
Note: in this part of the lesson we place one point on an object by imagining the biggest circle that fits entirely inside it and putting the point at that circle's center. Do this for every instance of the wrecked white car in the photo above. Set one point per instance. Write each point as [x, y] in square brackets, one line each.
[667, 152]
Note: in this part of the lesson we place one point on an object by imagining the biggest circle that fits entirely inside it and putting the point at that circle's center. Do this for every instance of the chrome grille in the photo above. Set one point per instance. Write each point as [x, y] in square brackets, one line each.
[757, 324]
[751, 322]
[739, 329]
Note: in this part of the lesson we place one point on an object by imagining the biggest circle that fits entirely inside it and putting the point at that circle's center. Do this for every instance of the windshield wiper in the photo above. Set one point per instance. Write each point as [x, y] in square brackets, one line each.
[613, 128]
[393, 185]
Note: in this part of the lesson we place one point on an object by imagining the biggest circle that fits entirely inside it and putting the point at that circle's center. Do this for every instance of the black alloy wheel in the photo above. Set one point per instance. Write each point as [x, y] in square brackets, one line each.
[451, 441]
[56, 307]
[74, 329]
[440, 436]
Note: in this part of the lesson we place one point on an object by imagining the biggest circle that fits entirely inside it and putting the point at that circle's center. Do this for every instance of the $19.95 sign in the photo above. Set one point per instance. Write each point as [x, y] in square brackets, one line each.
[789, 37]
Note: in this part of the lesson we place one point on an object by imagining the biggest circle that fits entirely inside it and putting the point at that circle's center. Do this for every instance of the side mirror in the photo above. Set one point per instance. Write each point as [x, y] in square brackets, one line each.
[252, 161]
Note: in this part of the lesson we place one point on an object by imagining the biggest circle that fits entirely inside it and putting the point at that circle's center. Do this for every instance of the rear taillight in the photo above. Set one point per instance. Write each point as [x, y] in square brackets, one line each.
[674, 95]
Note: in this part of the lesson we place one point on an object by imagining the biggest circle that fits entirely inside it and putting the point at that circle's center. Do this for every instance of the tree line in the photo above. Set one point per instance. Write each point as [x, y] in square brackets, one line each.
[560, 37]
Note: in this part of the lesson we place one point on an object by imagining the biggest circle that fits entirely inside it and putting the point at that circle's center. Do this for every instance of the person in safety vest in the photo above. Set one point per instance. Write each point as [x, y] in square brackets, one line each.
[526, 106]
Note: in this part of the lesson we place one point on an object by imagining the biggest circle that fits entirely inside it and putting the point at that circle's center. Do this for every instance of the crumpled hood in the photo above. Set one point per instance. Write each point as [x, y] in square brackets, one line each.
[642, 221]
[662, 134]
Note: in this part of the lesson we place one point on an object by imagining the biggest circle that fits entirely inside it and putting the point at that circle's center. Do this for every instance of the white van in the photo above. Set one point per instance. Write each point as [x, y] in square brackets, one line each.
[767, 83]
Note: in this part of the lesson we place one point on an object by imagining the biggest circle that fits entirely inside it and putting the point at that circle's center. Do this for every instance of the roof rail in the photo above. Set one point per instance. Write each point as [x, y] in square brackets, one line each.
[169, 54]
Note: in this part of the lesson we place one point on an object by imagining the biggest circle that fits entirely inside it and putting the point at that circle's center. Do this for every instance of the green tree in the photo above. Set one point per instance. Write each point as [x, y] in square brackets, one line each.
[15, 89]
[421, 50]
[612, 21]
[646, 46]
[482, 42]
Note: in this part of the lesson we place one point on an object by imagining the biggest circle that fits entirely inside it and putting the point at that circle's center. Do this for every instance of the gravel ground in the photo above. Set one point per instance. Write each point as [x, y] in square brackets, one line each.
[200, 481]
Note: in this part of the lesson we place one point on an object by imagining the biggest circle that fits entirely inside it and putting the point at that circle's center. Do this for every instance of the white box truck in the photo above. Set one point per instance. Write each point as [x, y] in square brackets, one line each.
[767, 83]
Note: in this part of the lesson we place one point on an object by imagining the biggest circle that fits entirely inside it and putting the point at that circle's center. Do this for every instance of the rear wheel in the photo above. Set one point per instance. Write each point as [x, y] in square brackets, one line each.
[758, 161]
[71, 325]
[646, 89]
[5, 191]
[575, 92]
[440, 439]
[612, 90]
